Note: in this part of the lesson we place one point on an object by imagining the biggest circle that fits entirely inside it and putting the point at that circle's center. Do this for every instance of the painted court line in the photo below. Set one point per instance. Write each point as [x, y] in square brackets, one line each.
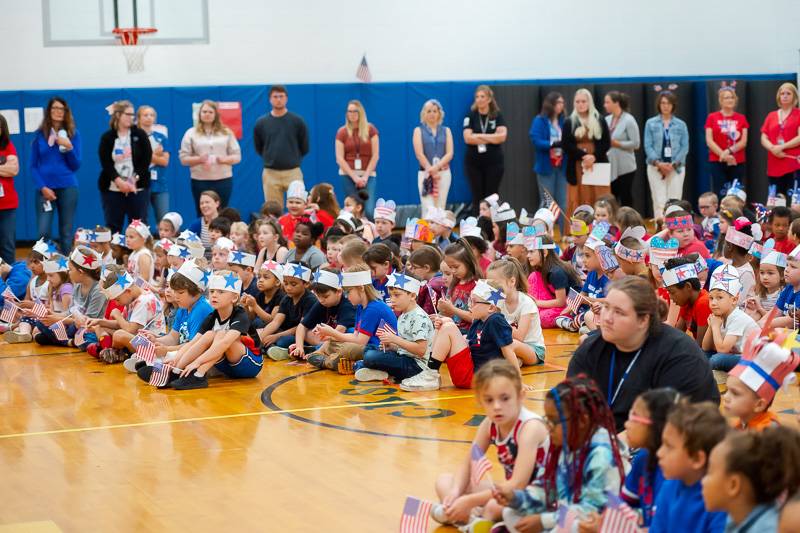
[237, 415]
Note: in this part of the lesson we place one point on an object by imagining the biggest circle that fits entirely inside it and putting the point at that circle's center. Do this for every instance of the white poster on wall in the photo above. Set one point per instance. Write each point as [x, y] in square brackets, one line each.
[33, 118]
[12, 117]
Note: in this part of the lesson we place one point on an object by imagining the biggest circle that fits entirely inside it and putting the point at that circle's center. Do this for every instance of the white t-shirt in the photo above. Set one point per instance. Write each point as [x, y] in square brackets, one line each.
[133, 264]
[740, 324]
[525, 306]
[413, 326]
[747, 277]
[123, 160]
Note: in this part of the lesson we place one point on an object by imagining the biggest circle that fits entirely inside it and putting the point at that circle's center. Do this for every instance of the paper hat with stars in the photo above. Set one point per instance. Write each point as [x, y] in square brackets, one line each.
[469, 228]
[195, 274]
[179, 251]
[399, 280]
[101, 236]
[141, 228]
[770, 256]
[677, 222]
[237, 257]
[765, 366]
[118, 239]
[44, 248]
[275, 268]
[86, 258]
[726, 278]
[679, 274]
[629, 254]
[599, 231]
[661, 250]
[513, 235]
[329, 279]
[175, 219]
[546, 216]
[739, 238]
[503, 212]
[487, 293]
[165, 244]
[356, 279]
[189, 236]
[56, 263]
[385, 210]
[297, 189]
[296, 270]
[123, 282]
[225, 282]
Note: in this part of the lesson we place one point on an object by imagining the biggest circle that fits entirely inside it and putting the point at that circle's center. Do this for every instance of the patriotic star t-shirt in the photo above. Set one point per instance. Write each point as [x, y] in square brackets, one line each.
[595, 286]
[239, 321]
[147, 311]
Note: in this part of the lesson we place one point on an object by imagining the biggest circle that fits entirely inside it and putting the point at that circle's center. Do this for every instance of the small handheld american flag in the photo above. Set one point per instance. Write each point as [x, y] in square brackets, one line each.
[416, 514]
[9, 294]
[566, 519]
[383, 325]
[479, 465]
[619, 517]
[80, 338]
[39, 310]
[362, 72]
[9, 311]
[574, 301]
[145, 350]
[160, 375]
[550, 203]
[59, 331]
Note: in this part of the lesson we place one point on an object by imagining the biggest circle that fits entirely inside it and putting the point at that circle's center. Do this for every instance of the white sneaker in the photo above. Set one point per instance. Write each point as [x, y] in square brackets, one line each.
[369, 374]
[130, 364]
[437, 513]
[424, 381]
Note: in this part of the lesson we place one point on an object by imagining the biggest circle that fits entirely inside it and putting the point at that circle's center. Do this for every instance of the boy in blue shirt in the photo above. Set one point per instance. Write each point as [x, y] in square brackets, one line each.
[790, 295]
[691, 432]
[15, 277]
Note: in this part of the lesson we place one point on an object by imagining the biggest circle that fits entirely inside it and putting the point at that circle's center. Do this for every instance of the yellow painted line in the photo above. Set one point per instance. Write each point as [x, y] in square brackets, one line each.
[237, 415]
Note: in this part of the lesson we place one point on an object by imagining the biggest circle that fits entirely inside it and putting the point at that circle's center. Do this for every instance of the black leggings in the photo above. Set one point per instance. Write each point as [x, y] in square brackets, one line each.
[484, 179]
[784, 183]
[622, 188]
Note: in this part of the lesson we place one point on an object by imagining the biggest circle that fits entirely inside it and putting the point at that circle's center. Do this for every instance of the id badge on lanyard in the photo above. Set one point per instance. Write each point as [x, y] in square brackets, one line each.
[667, 144]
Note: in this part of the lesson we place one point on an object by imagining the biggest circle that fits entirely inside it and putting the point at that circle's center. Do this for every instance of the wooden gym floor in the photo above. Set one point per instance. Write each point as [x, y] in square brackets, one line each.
[87, 447]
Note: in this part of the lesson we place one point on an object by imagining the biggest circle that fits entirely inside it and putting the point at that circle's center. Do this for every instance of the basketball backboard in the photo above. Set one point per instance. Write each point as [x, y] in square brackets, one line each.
[90, 22]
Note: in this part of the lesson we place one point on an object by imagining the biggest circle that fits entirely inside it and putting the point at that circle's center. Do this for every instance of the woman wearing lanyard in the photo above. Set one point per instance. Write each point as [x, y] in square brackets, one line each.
[666, 145]
[484, 133]
[433, 146]
[625, 140]
[780, 135]
[357, 152]
[210, 149]
[125, 156]
[635, 351]
[545, 134]
[159, 195]
[726, 138]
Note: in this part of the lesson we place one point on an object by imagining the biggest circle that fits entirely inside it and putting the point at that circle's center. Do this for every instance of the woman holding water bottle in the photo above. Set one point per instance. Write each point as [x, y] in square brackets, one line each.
[125, 155]
[780, 136]
[55, 158]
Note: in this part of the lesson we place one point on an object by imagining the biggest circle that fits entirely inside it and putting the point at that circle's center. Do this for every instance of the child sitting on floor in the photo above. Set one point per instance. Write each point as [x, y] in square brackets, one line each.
[279, 333]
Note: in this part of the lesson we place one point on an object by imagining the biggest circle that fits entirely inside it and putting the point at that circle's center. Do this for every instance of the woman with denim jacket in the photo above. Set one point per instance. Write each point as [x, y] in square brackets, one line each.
[625, 140]
[545, 134]
[666, 145]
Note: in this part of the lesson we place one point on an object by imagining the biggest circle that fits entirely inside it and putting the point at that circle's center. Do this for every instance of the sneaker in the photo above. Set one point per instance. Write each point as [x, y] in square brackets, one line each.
[369, 374]
[424, 381]
[15, 337]
[317, 360]
[358, 365]
[566, 323]
[4, 327]
[438, 514]
[190, 382]
[479, 525]
[112, 355]
[720, 376]
[131, 363]
[276, 353]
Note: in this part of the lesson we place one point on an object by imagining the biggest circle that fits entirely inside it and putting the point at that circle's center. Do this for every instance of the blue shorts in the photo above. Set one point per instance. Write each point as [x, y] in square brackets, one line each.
[247, 367]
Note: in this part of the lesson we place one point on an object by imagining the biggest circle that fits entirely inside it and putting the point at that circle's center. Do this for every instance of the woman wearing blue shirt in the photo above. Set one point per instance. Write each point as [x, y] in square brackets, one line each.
[666, 145]
[433, 146]
[159, 195]
[545, 134]
[55, 158]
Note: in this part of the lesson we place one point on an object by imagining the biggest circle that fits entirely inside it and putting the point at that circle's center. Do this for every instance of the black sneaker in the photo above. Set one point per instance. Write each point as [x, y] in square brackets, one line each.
[317, 360]
[144, 372]
[190, 382]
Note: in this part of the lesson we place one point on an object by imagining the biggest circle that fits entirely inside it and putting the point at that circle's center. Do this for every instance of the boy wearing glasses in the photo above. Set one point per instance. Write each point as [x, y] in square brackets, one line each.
[708, 203]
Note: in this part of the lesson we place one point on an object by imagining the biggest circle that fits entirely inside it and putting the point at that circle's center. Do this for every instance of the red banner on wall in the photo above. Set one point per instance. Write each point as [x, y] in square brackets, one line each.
[230, 113]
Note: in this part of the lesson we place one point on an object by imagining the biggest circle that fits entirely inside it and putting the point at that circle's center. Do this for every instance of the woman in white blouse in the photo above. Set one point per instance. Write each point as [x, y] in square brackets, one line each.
[210, 149]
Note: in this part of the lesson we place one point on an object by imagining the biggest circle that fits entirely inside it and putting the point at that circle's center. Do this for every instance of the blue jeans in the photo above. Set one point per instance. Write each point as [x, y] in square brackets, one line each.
[349, 187]
[398, 366]
[116, 206]
[222, 187]
[160, 203]
[556, 183]
[66, 203]
[724, 361]
[8, 237]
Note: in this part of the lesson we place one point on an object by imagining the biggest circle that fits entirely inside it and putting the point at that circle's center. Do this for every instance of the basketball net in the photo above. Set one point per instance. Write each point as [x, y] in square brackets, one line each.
[132, 49]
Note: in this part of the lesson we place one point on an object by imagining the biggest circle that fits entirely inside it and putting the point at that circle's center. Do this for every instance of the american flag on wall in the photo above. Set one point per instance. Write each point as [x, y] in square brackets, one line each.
[362, 72]
[415, 516]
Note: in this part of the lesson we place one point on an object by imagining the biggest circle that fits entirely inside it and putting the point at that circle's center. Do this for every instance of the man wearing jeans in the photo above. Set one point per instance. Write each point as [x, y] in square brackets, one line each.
[281, 138]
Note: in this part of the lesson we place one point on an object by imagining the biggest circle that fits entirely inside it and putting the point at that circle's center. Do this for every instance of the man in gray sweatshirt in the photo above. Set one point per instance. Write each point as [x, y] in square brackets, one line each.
[281, 138]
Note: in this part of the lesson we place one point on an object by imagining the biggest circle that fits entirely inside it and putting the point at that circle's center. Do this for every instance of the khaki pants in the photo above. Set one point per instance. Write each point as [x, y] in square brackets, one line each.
[276, 182]
[333, 351]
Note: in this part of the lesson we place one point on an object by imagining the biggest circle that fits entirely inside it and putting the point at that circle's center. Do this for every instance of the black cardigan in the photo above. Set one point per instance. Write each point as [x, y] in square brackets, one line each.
[141, 151]
[574, 154]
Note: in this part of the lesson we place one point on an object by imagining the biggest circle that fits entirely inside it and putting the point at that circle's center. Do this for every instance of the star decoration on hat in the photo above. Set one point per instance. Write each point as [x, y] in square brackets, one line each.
[316, 276]
[123, 280]
[230, 281]
[238, 256]
[204, 279]
[495, 296]
[62, 262]
[136, 222]
[91, 236]
[184, 253]
[298, 271]
[166, 244]
[51, 248]
[400, 280]
[88, 260]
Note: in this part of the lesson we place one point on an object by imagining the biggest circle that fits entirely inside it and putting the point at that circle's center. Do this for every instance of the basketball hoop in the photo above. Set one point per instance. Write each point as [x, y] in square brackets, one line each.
[134, 51]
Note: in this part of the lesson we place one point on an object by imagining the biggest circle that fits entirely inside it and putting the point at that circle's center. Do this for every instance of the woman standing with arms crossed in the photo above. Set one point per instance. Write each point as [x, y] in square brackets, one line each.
[125, 156]
[625, 140]
[545, 134]
[726, 138]
[780, 135]
[55, 158]
[485, 132]
[433, 146]
[159, 195]
[210, 150]
[357, 148]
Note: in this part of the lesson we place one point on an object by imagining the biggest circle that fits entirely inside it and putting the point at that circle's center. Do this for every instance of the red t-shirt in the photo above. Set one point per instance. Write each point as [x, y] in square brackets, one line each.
[696, 316]
[288, 222]
[788, 130]
[8, 195]
[695, 246]
[726, 132]
[355, 147]
[784, 246]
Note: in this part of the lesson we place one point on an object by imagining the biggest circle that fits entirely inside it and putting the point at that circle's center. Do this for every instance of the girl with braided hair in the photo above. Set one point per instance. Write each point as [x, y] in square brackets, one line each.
[583, 463]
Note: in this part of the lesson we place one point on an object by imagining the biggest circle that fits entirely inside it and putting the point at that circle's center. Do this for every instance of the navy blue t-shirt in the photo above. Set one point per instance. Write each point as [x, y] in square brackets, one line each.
[295, 312]
[595, 286]
[787, 299]
[342, 314]
[486, 337]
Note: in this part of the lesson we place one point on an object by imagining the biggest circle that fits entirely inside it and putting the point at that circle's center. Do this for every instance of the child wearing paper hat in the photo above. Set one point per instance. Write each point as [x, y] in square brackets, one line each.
[243, 264]
[385, 219]
[299, 300]
[296, 203]
[270, 294]
[680, 226]
[738, 240]
[169, 227]
[769, 283]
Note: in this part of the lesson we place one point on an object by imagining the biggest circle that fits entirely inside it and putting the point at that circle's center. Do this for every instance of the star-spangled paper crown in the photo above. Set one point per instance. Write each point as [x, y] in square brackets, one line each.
[734, 188]
[177, 250]
[677, 222]
[237, 257]
[584, 208]
[118, 239]
[229, 282]
[275, 268]
[56, 263]
[224, 243]
[546, 216]
[739, 238]
[503, 212]
[123, 282]
[400, 280]
[195, 274]
[356, 279]
[296, 270]
[469, 228]
[174, 218]
[189, 236]
[770, 256]
[578, 227]
[726, 278]
[385, 210]
[537, 242]
[165, 244]
[423, 232]
[101, 236]
[765, 366]
[759, 250]
[297, 189]
[661, 250]
[83, 236]
[141, 228]
[700, 265]
[773, 199]
[513, 235]
[329, 279]
[439, 216]
[629, 254]
[86, 258]
[679, 274]
[523, 218]
[44, 248]
[487, 293]
[599, 231]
